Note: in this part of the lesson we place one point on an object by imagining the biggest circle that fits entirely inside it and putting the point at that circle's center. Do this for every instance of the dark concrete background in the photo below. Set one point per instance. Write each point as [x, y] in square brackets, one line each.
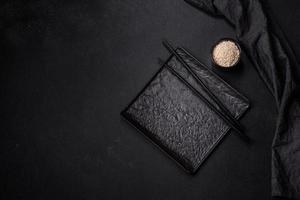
[69, 67]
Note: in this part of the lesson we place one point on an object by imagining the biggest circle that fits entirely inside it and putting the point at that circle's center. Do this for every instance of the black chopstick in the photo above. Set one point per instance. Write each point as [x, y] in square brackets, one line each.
[205, 88]
[208, 103]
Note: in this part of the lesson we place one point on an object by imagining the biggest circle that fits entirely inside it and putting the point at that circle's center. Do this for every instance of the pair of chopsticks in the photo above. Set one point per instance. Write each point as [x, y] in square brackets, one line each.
[222, 112]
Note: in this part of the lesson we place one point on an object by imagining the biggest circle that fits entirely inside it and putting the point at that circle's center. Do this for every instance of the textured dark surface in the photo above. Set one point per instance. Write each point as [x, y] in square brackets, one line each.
[174, 117]
[69, 67]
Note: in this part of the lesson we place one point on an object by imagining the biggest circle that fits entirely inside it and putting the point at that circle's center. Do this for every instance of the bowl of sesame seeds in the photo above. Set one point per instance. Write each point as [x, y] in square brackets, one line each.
[226, 53]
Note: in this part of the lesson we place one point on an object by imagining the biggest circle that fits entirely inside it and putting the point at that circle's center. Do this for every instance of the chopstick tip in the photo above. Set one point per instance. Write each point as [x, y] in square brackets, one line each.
[168, 45]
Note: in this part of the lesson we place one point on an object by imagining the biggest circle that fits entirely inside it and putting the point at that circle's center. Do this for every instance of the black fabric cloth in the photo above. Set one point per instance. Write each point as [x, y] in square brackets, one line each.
[276, 64]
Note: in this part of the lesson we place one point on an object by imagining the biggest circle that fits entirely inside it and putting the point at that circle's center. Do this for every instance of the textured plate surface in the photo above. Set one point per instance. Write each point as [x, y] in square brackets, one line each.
[174, 118]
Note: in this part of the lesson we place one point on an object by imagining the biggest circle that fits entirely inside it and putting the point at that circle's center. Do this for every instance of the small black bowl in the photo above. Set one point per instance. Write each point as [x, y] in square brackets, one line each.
[219, 66]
